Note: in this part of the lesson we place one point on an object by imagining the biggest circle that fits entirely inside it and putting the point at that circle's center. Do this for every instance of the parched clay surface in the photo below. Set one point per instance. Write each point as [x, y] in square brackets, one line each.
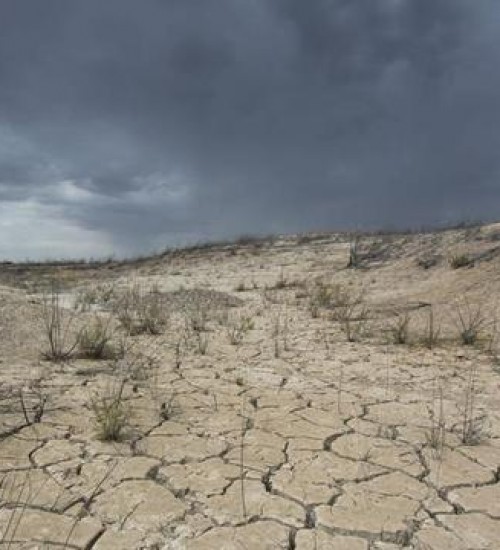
[291, 438]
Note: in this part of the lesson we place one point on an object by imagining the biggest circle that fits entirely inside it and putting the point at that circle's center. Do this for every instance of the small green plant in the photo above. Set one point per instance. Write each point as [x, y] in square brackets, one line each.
[111, 414]
[472, 429]
[95, 340]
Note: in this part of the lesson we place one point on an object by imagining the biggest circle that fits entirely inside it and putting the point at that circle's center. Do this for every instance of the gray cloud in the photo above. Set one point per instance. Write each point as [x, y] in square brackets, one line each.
[142, 124]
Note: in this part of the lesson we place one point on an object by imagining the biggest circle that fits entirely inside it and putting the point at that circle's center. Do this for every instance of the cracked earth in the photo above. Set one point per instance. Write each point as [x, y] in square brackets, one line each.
[293, 438]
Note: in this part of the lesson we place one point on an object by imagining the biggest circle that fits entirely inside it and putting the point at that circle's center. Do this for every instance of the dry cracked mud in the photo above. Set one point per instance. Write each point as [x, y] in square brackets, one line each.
[282, 435]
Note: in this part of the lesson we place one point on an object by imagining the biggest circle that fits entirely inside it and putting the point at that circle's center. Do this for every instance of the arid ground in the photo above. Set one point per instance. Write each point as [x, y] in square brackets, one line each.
[255, 395]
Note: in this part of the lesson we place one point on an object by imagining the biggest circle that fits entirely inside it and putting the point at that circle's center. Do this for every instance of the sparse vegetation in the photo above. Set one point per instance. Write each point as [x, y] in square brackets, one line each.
[429, 261]
[400, 328]
[136, 365]
[238, 327]
[321, 297]
[458, 261]
[32, 412]
[354, 257]
[432, 330]
[141, 312]
[470, 320]
[219, 418]
[473, 424]
[202, 342]
[280, 334]
[100, 295]
[240, 287]
[95, 340]
[168, 408]
[58, 327]
[111, 414]
[198, 318]
[350, 311]
[436, 437]
[281, 282]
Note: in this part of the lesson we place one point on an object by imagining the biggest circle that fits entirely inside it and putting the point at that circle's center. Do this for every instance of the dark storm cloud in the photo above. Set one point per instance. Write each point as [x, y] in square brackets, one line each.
[165, 120]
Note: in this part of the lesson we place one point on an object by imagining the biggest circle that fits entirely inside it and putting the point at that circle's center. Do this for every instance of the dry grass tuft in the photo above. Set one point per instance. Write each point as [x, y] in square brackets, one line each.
[58, 327]
[111, 414]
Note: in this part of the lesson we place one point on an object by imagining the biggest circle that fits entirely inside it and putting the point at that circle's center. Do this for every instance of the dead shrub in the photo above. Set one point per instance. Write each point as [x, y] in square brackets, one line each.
[470, 320]
[238, 327]
[400, 328]
[197, 319]
[202, 342]
[321, 297]
[141, 312]
[354, 256]
[350, 311]
[432, 330]
[436, 437]
[100, 295]
[281, 282]
[458, 261]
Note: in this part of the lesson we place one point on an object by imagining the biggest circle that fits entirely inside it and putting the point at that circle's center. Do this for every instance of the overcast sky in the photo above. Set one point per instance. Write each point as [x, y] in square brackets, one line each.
[130, 125]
